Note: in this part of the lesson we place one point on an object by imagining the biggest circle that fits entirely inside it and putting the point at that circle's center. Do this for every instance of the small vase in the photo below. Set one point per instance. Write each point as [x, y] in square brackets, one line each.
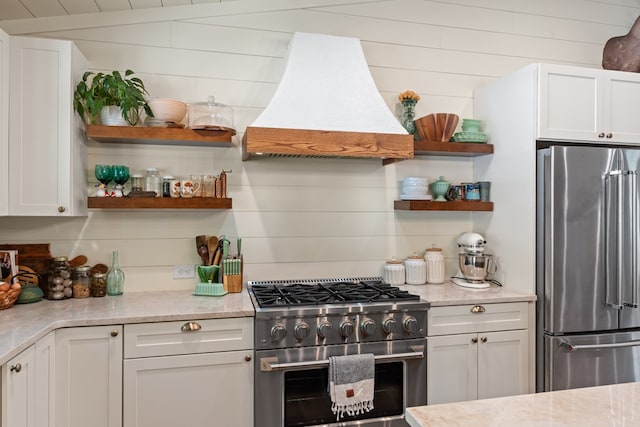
[115, 277]
[439, 189]
[409, 114]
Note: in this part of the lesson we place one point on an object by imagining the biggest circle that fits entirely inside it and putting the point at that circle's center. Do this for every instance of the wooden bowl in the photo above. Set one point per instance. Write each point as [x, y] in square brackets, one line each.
[437, 127]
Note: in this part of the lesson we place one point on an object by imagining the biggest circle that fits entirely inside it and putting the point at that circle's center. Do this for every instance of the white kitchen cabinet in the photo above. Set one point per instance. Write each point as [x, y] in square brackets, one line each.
[27, 386]
[47, 152]
[88, 370]
[478, 352]
[193, 374]
[4, 123]
[588, 104]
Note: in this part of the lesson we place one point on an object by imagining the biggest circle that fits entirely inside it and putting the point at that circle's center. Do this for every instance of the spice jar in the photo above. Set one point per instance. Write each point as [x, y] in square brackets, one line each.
[98, 284]
[394, 272]
[416, 270]
[152, 181]
[166, 185]
[59, 279]
[435, 265]
[81, 282]
[137, 183]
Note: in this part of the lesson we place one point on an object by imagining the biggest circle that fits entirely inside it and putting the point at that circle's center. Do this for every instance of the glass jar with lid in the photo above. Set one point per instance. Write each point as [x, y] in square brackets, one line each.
[98, 284]
[59, 279]
[211, 115]
[81, 282]
[137, 183]
[152, 181]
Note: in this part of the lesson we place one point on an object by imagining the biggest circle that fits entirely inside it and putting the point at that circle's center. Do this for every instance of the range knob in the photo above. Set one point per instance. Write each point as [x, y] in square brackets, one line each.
[324, 329]
[278, 332]
[410, 324]
[301, 331]
[368, 327]
[389, 325]
[346, 328]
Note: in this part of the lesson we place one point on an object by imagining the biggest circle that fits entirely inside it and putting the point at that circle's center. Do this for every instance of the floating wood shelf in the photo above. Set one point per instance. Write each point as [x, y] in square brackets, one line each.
[430, 205]
[160, 136]
[457, 149]
[158, 203]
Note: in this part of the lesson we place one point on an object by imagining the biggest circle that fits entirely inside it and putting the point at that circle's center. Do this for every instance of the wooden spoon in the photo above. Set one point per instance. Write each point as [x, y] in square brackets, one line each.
[78, 261]
[212, 244]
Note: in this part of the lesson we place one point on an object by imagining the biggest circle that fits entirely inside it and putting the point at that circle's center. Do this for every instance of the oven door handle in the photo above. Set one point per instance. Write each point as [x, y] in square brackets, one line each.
[268, 364]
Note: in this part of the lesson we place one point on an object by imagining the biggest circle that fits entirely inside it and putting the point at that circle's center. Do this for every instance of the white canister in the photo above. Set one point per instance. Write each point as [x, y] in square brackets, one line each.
[416, 270]
[435, 265]
[393, 272]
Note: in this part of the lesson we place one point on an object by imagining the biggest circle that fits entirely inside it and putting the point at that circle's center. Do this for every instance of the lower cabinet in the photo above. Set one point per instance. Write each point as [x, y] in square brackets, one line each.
[88, 372]
[478, 352]
[195, 374]
[27, 386]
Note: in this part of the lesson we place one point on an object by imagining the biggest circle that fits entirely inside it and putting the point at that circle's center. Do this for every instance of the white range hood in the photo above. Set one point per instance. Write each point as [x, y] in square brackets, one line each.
[327, 105]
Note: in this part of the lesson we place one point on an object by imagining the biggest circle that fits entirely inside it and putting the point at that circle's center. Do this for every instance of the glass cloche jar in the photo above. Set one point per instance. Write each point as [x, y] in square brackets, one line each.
[211, 115]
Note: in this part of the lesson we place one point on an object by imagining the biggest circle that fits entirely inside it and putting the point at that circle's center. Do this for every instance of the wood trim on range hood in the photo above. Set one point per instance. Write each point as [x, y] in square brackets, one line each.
[327, 105]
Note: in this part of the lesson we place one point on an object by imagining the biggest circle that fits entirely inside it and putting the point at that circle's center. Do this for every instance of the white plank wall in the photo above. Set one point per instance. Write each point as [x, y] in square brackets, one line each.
[303, 218]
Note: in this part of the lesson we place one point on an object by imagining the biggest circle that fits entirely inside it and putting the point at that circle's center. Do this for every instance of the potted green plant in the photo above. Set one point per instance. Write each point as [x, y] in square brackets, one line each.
[108, 91]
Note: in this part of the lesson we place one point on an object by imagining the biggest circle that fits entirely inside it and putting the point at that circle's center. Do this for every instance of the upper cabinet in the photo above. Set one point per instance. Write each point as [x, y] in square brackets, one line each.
[4, 123]
[588, 104]
[47, 152]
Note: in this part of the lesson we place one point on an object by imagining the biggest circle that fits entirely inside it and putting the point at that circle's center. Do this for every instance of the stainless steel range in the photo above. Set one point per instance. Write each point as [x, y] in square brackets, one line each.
[299, 324]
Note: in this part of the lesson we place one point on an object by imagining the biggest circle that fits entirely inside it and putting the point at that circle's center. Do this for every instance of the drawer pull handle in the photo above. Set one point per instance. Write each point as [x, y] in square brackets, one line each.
[16, 368]
[483, 339]
[114, 333]
[477, 309]
[474, 340]
[190, 327]
[247, 358]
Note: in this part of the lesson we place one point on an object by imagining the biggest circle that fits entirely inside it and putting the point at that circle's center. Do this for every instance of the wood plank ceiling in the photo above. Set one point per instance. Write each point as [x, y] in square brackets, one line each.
[26, 9]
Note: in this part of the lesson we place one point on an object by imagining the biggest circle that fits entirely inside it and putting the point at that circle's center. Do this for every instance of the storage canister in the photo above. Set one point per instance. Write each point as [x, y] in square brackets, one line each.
[393, 272]
[152, 181]
[98, 284]
[415, 270]
[434, 259]
[59, 279]
[81, 282]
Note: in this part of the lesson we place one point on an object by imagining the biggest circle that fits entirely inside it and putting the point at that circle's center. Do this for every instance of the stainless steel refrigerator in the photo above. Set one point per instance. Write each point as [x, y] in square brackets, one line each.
[588, 320]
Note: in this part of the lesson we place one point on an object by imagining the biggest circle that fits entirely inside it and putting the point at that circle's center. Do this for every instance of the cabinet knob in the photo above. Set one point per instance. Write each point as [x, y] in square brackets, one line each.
[477, 309]
[16, 368]
[474, 340]
[609, 135]
[483, 339]
[114, 333]
[601, 135]
[61, 209]
[248, 358]
[190, 327]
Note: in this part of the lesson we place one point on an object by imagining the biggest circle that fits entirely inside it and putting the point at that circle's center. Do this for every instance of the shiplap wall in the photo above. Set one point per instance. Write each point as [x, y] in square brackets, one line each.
[304, 218]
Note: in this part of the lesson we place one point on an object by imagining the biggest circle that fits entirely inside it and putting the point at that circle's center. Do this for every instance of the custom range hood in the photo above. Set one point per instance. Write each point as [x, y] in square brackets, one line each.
[327, 105]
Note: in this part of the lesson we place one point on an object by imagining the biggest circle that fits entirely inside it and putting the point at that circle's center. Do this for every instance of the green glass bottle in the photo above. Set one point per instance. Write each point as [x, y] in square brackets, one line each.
[115, 277]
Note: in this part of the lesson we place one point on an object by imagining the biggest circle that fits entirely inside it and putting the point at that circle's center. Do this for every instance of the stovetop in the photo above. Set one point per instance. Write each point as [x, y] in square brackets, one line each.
[326, 291]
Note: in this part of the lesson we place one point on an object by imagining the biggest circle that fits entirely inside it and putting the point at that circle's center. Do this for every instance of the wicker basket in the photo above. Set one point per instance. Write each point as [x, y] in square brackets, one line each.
[8, 298]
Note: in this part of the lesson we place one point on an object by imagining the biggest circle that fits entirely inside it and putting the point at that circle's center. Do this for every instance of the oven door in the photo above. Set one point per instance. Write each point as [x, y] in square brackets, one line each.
[291, 385]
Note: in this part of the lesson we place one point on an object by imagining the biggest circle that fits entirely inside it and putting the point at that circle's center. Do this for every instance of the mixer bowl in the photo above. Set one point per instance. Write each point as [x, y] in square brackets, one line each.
[475, 267]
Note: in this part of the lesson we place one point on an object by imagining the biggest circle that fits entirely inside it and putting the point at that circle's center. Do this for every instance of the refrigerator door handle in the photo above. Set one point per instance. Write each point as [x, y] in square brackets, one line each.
[633, 184]
[614, 176]
[574, 347]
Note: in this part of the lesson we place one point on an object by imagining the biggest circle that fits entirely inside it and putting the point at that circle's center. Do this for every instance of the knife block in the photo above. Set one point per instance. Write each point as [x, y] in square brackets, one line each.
[233, 282]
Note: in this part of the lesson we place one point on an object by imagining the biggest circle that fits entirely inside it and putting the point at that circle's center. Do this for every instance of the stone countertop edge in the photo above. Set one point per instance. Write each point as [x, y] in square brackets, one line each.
[610, 405]
[23, 324]
[449, 293]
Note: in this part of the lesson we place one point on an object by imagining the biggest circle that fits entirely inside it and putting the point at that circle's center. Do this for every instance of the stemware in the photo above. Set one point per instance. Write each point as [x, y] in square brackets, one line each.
[104, 174]
[120, 176]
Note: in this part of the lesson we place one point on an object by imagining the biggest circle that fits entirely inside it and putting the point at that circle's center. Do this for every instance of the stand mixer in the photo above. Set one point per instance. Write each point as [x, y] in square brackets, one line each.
[473, 263]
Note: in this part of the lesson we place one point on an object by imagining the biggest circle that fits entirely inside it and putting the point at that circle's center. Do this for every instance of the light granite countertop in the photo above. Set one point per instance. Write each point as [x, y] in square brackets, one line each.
[23, 324]
[612, 405]
[451, 294]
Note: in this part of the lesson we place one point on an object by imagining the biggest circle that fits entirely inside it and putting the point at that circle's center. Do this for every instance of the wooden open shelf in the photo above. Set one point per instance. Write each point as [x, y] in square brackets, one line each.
[160, 136]
[430, 205]
[158, 203]
[465, 149]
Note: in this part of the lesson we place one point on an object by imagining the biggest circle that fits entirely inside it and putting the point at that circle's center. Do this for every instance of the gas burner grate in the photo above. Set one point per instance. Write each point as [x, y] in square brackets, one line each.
[339, 292]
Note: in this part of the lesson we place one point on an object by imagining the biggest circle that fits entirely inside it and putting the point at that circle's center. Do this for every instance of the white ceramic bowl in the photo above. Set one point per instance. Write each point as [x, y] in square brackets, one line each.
[415, 190]
[168, 110]
[414, 180]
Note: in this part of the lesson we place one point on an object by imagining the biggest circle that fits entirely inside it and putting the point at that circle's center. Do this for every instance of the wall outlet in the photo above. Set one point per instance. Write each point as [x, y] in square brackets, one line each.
[184, 271]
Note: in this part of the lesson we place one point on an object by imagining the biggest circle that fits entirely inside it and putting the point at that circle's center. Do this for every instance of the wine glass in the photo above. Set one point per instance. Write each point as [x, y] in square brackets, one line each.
[120, 176]
[104, 174]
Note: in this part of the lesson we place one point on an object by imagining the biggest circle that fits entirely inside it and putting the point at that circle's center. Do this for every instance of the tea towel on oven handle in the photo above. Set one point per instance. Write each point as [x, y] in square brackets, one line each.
[351, 384]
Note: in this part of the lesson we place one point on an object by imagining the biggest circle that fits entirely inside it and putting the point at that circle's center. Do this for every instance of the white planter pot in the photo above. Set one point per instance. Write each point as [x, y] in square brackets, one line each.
[111, 115]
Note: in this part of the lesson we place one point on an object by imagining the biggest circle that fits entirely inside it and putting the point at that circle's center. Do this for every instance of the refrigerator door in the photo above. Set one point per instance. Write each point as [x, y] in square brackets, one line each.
[630, 165]
[582, 213]
[590, 360]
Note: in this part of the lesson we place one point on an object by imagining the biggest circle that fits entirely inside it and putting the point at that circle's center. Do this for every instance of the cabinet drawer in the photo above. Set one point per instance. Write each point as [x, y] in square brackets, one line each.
[172, 338]
[462, 319]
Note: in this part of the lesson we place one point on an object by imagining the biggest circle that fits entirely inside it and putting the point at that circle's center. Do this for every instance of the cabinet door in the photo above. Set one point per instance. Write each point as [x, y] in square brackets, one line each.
[570, 103]
[197, 390]
[503, 363]
[622, 103]
[452, 368]
[18, 389]
[45, 380]
[4, 123]
[47, 152]
[89, 377]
